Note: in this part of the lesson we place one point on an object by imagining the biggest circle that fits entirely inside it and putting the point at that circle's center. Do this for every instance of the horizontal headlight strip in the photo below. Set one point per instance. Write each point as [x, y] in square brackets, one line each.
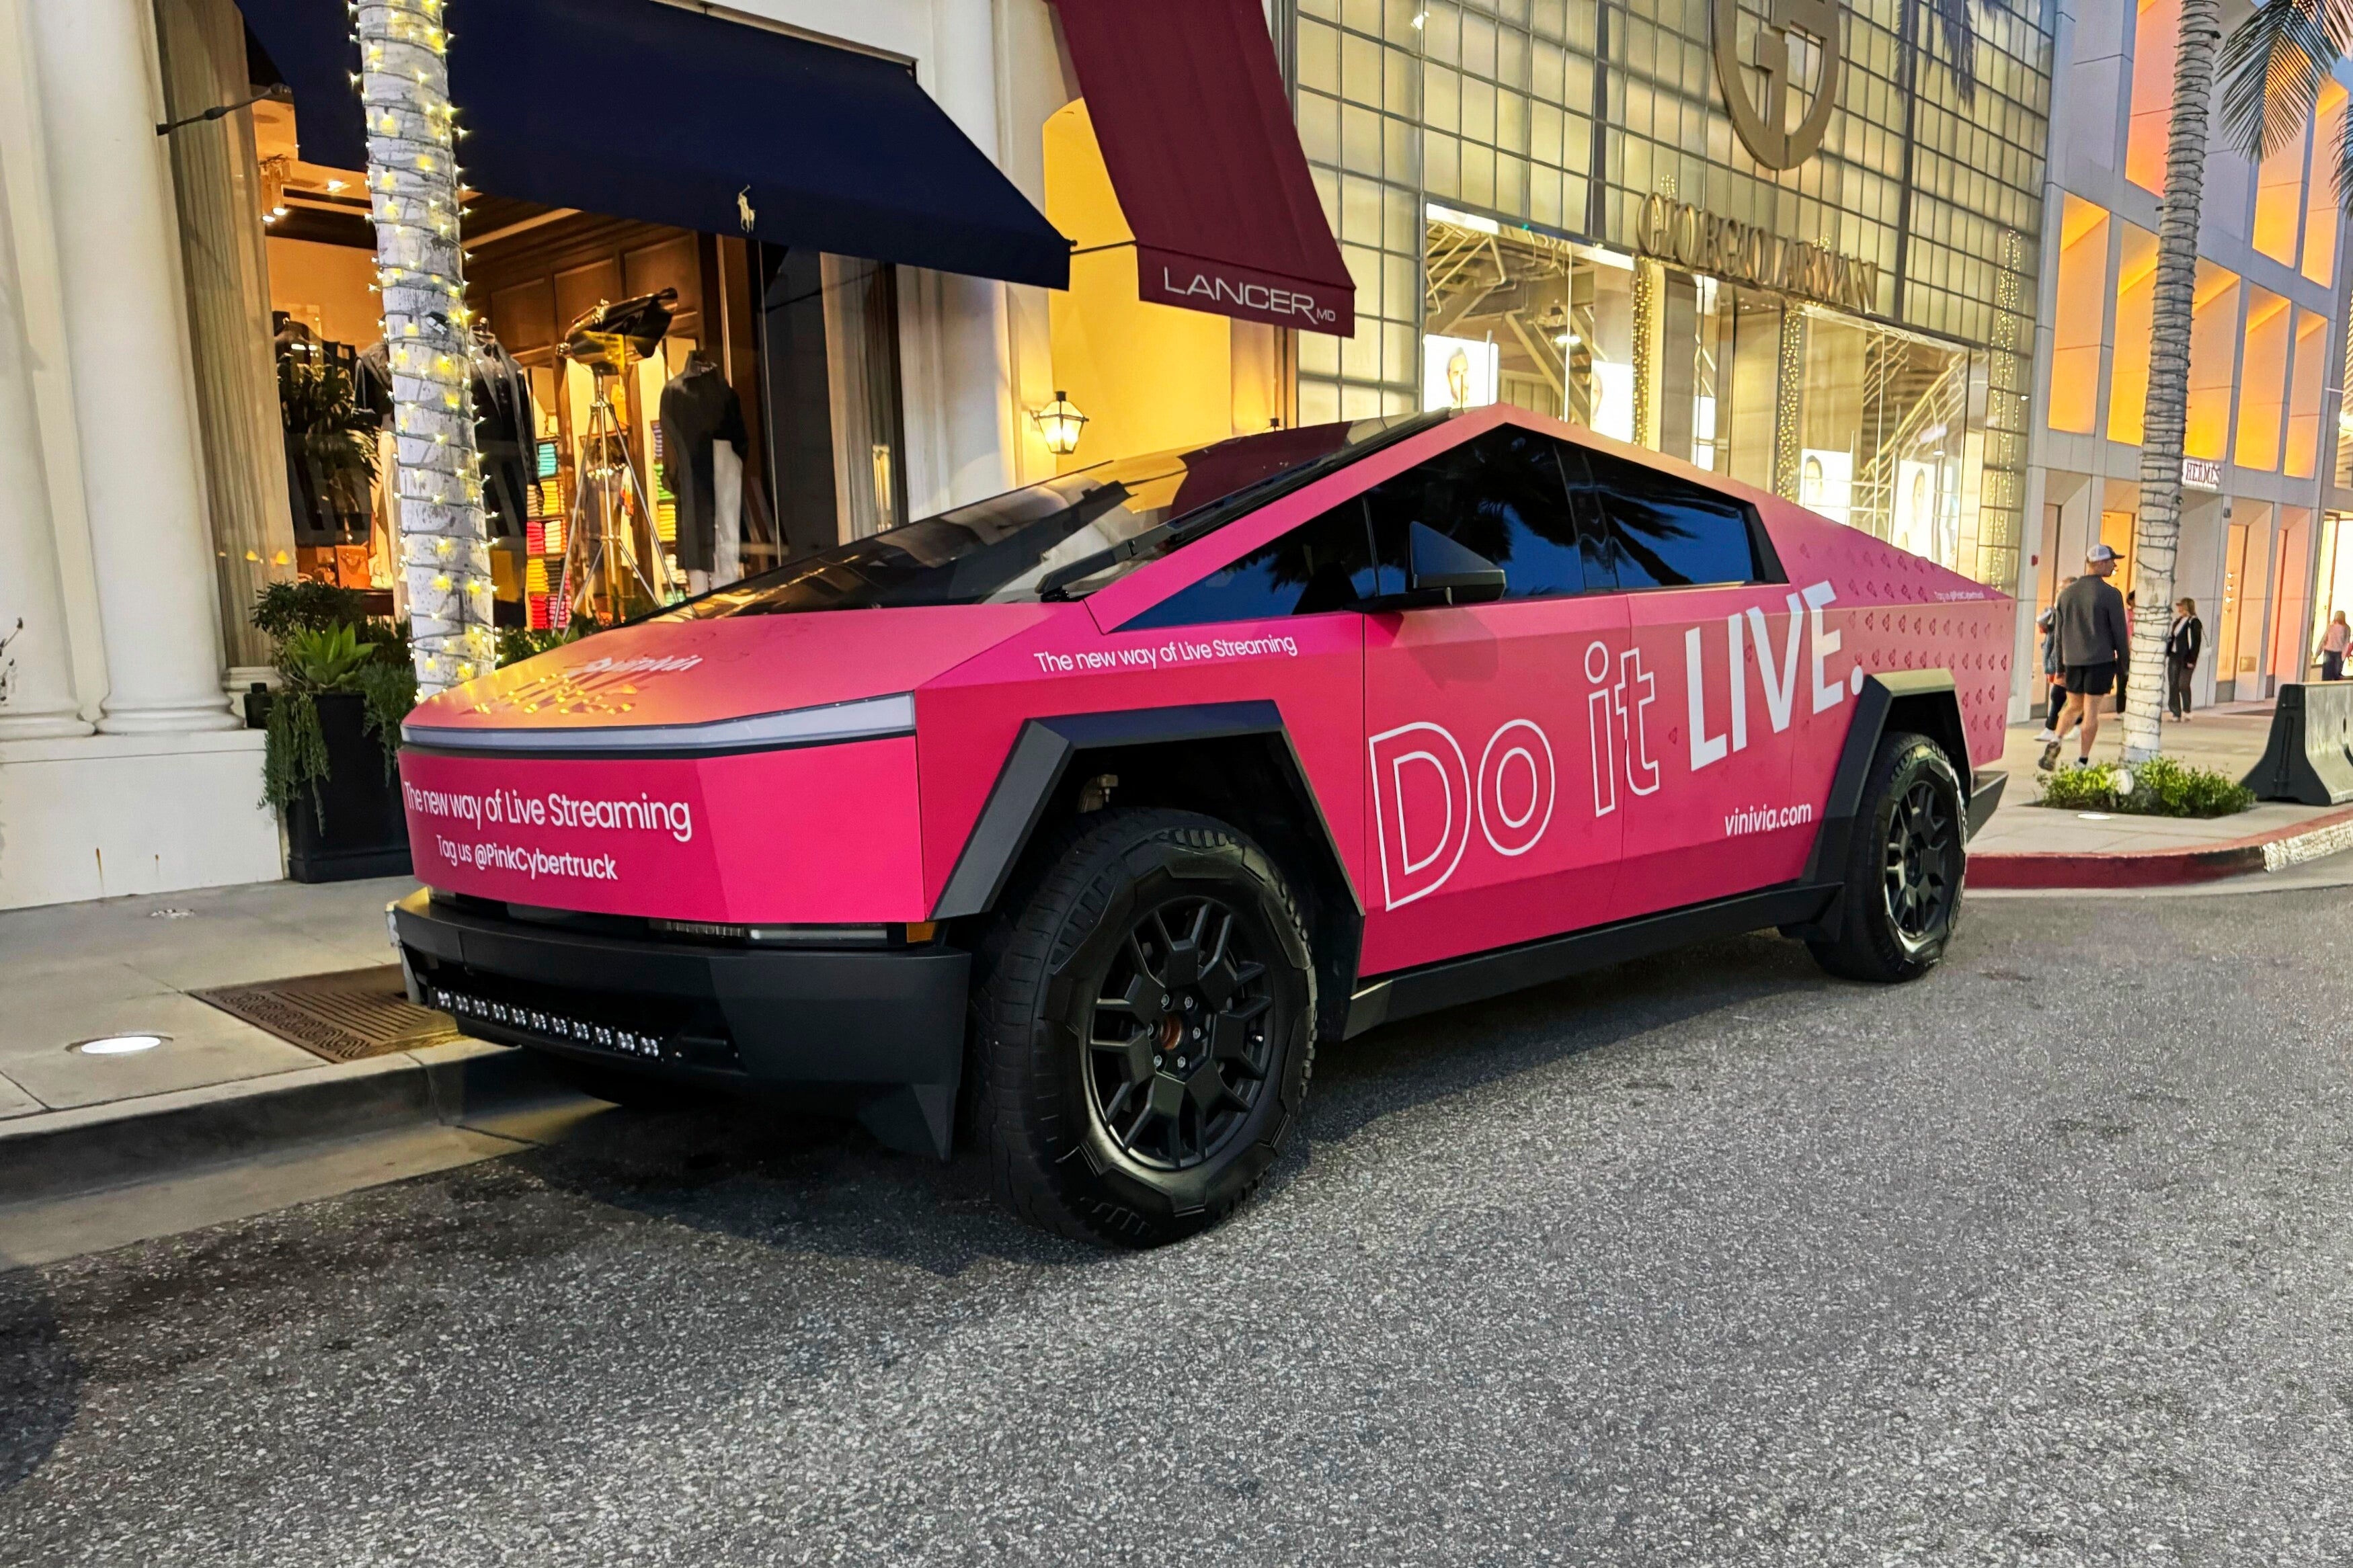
[869, 718]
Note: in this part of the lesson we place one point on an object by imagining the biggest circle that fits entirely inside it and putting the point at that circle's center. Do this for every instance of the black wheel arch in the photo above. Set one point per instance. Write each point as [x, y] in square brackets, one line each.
[1920, 701]
[1232, 761]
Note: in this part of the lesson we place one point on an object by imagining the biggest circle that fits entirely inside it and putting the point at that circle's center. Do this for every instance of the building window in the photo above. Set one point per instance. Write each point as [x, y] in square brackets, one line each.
[2080, 312]
[2214, 349]
[2262, 381]
[2154, 37]
[2136, 314]
[2321, 219]
[2279, 201]
[1362, 102]
[2305, 392]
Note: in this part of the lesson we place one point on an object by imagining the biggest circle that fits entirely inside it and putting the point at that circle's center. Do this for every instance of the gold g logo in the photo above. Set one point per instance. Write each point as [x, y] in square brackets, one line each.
[1764, 127]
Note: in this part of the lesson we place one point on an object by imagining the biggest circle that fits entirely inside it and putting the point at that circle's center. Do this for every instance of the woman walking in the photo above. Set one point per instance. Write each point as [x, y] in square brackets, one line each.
[2182, 646]
[2333, 643]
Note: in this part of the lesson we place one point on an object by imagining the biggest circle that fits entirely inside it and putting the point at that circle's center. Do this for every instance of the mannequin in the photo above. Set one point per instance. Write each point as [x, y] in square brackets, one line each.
[702, 439]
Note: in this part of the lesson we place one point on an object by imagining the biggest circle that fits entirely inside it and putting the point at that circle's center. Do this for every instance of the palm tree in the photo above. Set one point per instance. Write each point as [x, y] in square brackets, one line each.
[413, 184]
[2157, 531]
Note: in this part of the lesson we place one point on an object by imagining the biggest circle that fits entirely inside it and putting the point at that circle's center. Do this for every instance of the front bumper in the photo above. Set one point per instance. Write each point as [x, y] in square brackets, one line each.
[887, 1022]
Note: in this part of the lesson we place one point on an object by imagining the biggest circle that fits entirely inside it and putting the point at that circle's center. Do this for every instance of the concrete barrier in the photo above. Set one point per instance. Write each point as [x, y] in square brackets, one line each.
[2309, 756]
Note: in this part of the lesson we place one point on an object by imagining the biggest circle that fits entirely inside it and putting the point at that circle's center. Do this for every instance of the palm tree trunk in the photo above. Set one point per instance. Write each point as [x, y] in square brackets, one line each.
[2158, 534]
[413, 184]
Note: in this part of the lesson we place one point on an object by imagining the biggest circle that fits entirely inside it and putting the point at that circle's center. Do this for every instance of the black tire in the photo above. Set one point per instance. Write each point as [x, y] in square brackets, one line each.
[1143, 1012]
[622, 1087]
[1904, 869]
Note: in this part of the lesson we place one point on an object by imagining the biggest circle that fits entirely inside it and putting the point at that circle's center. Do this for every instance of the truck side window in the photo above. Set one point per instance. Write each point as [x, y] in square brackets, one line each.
[1324, 563]
[1502, 494]
[1670, 532]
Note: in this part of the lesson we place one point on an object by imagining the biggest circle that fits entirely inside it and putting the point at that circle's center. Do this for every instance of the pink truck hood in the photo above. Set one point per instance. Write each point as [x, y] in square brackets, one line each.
[679, 672]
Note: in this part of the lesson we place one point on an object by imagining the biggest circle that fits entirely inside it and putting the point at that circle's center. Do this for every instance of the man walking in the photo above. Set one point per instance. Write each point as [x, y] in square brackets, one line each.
[2093, 636]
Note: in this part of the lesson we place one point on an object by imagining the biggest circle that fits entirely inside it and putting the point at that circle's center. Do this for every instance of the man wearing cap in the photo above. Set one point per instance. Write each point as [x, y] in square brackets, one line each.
[2093, 636]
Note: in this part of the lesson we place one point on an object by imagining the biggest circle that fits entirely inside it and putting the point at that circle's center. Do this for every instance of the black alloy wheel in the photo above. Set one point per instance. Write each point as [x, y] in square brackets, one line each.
[1906, 862]
[1923, 862]
[1143, 1010]
[1176, 1043]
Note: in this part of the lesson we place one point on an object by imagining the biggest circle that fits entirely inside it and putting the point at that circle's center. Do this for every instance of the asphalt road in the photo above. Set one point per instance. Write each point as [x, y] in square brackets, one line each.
[1708, 1260]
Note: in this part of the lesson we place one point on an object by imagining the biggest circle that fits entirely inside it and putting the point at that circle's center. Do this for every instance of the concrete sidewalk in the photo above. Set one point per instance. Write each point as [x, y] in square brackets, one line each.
[73, 971]
[2026, 845]
[222, 1119]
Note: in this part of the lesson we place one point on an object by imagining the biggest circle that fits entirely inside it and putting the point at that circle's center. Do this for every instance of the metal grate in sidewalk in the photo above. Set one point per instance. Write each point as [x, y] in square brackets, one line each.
[343, 1016]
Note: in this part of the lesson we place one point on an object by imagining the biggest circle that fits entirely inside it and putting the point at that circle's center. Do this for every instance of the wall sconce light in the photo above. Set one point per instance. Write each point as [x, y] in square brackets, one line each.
[1059, 422]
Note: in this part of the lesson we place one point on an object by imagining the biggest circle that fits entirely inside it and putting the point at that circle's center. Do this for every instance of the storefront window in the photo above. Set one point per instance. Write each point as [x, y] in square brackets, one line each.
[1866, 425]
[1867, 346]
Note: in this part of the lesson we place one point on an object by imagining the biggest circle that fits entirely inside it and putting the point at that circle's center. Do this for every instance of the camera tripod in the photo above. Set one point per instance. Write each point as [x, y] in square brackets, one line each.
[600, 553]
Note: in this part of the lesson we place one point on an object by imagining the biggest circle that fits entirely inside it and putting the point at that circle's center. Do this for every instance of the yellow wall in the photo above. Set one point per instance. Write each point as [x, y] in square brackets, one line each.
[332, 280]
[1147, 377]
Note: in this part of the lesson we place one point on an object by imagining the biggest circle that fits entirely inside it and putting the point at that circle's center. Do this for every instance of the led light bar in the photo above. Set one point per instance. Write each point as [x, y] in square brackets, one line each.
[552, 1026]
[869, 719]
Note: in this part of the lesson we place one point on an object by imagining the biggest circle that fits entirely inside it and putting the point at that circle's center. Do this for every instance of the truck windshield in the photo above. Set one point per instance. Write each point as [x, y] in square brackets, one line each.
[1061, 538]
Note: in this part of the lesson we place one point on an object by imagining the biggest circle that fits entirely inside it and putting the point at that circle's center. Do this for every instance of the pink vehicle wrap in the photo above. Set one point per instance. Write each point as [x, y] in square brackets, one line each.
[1486, 772]
[1468, 783]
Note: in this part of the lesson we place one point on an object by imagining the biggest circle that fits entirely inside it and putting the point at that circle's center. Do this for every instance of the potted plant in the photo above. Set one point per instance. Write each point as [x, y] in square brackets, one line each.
[333, 733]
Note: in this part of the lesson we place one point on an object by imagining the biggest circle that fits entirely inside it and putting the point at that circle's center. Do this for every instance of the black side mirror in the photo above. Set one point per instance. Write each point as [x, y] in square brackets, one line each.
[1437, 571]
[1441, 571]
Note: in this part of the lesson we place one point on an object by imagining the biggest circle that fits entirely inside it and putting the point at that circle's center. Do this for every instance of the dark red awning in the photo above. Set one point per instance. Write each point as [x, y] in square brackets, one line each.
[1195, 130]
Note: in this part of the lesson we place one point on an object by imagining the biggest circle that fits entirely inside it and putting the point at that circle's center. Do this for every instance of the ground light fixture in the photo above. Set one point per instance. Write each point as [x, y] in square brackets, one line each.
[1059, 422]
[124, 1044]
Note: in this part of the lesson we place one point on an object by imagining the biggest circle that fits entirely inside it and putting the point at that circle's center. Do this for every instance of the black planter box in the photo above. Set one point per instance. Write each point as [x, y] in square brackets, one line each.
[364, 833]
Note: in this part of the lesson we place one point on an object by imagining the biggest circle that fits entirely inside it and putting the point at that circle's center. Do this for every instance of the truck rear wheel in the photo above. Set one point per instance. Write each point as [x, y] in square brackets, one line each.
[1142, 1027]
[1905, 866]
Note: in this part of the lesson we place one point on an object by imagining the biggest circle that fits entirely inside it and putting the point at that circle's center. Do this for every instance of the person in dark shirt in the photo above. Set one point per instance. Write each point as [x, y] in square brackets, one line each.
[2092, 635]
[2183, 644]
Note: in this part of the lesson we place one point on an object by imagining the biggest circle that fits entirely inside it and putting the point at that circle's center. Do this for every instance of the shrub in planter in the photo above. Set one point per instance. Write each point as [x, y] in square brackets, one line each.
[2158, 787]
[333, 732]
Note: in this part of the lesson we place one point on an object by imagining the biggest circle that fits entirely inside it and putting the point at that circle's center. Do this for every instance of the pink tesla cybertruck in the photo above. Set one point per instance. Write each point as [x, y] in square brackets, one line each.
[1077, 817]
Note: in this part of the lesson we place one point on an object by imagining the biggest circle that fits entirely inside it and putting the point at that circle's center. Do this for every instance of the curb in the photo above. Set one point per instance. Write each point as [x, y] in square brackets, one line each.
[58, 1153]
[2273, 851]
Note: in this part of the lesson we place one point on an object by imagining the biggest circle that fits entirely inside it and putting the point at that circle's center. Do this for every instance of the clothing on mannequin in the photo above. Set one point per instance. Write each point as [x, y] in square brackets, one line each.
[699, 413]
[506, 423]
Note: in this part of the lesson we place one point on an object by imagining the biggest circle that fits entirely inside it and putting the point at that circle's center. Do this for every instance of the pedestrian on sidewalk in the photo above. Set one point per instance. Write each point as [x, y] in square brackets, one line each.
[2333, 643]
[2052, 668]
[2092, 636]
[2182, 646]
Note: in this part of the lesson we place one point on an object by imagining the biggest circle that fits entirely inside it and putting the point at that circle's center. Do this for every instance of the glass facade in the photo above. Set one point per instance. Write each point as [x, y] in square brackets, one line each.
[1550, 203]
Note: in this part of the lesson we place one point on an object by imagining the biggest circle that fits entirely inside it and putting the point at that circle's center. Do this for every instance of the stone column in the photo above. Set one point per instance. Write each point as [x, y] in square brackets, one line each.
[37, 697]
[981, 435]
[228, 279]
[117, 244]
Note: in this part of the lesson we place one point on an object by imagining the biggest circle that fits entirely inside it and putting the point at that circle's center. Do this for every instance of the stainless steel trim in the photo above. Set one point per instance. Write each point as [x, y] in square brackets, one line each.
[869, 719]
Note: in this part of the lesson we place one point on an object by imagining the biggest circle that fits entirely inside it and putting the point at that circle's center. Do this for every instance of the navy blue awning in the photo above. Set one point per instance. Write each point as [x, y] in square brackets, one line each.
[644, 111]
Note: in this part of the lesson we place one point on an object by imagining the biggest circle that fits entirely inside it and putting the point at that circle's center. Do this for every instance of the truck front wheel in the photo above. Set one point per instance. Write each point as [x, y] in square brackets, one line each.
[1905, 866]
[1142, 1027]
